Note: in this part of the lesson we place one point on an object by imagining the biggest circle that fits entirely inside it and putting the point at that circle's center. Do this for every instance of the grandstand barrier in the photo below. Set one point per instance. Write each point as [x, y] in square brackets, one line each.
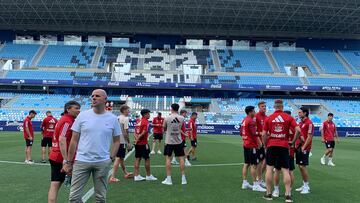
[218, 86]
[201, 128]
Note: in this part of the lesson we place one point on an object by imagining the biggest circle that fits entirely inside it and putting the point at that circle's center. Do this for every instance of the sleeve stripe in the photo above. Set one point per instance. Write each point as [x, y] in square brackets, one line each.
[64, 130]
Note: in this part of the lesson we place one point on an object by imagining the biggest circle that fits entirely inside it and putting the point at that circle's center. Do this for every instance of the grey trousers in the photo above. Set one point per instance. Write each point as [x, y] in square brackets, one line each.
[80, 176]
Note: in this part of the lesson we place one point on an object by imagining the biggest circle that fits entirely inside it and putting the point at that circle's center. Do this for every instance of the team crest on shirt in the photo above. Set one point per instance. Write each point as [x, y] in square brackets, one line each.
[278, 128]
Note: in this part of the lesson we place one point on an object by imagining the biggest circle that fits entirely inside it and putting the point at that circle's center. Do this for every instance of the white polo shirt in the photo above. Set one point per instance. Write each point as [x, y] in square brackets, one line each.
[96, 135]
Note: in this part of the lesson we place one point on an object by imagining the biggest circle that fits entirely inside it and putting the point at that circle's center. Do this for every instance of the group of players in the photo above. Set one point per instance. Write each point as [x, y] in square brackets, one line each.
[59, 134]
[272, 143]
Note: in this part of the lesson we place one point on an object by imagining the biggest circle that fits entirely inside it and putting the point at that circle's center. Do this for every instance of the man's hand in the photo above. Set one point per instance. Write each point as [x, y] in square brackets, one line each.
[67, 168]
[30, 138]
[337, 140]
[322, 140]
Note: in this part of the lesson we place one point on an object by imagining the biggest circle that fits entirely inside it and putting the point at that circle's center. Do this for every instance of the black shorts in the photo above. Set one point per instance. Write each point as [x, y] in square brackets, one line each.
[158, 136]
[122, 151]
[178, 150]
[302, 158]
[46, 142]
[251, 156]
[291, 164]
[330, 144]
[261, 153]
[194, 142]
[142, 151]
[56, 174]
[29, 143]
[184, 144]
[278, 157]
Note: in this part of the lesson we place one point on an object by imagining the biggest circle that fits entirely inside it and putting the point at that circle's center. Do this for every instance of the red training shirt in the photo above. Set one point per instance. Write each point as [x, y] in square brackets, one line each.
[183, 129]
[329, 129]
[307, 127]
[142, 126]
[27, 123]
[278, 125]
[248, 133]
[62, 129]
[192, 125]
[260, 121]
[48, 126]
[158, 129]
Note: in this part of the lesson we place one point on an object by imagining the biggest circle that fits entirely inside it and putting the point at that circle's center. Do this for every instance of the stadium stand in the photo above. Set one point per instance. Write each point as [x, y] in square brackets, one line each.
[243, 61]
[71, 56]
[19, 51]
[14, 107]
[57, 75]
[328, 62]
[293, 58]
[334, 81]
[353, 58]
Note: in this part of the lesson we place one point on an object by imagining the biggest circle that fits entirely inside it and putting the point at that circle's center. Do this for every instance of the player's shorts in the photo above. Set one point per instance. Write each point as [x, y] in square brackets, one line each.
[251, 156]
[291, 164]
[261, 153]
[122, 151]
[302, 158]
[330, 144]
[29, 143]
[178, 150]
[194, 142]
[184, 144]
[46, 142]
[278, 157]
[56, 174]
[158, 136]
[142, 151]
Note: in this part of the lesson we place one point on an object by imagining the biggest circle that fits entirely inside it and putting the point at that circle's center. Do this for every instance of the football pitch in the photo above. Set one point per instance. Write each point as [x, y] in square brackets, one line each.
[215, 177]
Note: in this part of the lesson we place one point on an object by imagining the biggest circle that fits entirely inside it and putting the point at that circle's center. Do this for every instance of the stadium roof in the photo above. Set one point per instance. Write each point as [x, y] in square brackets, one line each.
[228, 18]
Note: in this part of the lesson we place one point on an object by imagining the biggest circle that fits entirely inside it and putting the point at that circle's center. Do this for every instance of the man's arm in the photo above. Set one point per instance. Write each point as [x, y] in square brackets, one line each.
[115, 147]
[27, 130]
[322, 133]
[72, 146]
[264, 135]
[63, 147]
[337, 136]
[297, 135]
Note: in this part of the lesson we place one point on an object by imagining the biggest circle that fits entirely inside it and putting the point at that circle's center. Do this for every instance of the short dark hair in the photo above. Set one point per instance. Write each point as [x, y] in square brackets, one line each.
[183, 111]
[144, 111]
[159, 114]
[32, 112]
[175, 107]
[261, 102]
[288, 112]
[124, 108]
[305, 110]
[193, 114]
[48, 112]
[69, 104]
[249, 109]
[331, 114]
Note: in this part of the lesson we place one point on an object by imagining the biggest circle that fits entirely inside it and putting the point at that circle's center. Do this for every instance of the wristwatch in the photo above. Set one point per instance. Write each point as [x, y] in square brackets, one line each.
[67, 162]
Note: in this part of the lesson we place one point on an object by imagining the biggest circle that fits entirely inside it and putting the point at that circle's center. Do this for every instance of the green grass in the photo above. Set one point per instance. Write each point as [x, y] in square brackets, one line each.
[29, 183]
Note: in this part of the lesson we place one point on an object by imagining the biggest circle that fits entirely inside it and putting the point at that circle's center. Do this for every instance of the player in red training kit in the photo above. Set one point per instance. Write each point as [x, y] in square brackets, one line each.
[142, 150]
[276, 133]
[158, 131]
[260, 120]
[29, 136]
[47, 128]
[251, 149]
[60, 145]
[303, 148]
[328, 135]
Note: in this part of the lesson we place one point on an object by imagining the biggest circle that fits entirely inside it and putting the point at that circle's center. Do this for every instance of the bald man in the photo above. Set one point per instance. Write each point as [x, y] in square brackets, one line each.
[93, 132]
